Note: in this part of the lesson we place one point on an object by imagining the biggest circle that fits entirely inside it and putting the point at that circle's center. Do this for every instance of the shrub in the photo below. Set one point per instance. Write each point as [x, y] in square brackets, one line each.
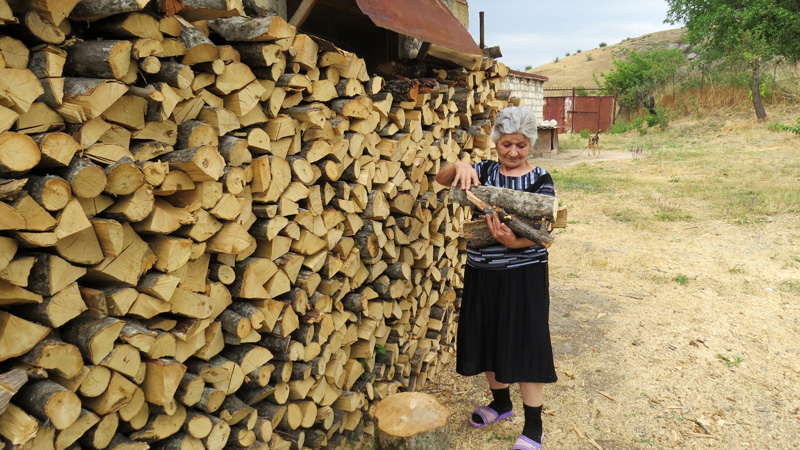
[638, 124]
[777, 126]
[660, 118]
[619, 128]
[585, 133]
[566, 54]
[577, 51]
[589, 57]
[603, 44]
[556, 59]
[681, 279]
[663, 117]
[640, 74]
[528, 67]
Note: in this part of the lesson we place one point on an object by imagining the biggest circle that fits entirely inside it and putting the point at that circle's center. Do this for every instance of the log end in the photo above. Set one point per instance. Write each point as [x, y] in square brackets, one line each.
[411, 413]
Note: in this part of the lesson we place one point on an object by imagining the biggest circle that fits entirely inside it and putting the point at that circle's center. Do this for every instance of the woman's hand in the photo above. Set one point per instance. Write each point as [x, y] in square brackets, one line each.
[500, 231]
[504, 235]
[466, 175]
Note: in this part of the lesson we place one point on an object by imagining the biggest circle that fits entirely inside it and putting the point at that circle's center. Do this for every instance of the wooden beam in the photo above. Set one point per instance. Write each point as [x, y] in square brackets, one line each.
[423, 51]
[302, 13]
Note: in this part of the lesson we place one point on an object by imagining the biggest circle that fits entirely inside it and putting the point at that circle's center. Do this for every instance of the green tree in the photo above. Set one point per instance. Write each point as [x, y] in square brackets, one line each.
[734, 30]
[637, 77]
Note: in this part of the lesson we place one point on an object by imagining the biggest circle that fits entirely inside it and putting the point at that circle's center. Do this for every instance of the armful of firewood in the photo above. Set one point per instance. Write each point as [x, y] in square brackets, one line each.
[519, 227]
[527, 204]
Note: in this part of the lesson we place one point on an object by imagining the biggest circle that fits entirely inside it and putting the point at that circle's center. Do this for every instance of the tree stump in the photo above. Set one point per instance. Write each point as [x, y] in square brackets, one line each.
[412, 421]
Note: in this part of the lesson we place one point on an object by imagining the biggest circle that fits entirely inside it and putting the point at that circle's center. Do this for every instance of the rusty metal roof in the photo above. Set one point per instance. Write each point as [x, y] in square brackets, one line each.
[428, 20]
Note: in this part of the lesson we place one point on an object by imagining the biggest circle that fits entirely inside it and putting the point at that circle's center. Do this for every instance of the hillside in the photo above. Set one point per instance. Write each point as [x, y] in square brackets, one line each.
[577, 69]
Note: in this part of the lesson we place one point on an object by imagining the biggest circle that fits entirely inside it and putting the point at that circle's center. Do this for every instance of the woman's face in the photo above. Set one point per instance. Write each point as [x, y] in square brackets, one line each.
[513, 150]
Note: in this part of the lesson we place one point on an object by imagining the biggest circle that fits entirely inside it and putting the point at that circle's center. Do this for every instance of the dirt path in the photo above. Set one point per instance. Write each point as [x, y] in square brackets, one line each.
[672, 335]
[570, 157]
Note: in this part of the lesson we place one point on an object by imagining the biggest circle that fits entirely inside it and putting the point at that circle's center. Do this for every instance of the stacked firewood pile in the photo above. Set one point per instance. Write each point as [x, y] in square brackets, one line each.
[216, 232]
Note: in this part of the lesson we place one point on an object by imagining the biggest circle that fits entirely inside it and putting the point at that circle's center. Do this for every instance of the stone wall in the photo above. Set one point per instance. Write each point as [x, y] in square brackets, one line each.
[529, 90]
[460, 9]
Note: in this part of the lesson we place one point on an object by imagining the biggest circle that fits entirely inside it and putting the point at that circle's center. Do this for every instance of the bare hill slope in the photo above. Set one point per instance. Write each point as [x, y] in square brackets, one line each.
[577, 69]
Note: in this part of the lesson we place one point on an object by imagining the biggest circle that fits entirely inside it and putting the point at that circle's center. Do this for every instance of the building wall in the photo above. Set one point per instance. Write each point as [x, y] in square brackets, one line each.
[529, 91]
[460, 10]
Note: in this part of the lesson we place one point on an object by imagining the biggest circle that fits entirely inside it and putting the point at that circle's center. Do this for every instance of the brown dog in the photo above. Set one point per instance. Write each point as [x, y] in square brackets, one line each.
[594, 144]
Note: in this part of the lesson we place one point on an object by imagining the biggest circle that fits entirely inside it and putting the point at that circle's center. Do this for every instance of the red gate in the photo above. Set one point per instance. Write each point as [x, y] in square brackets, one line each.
[575, 113]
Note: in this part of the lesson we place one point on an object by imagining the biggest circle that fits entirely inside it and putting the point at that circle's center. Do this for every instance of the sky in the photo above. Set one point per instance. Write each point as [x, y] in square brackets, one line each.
[534, 32]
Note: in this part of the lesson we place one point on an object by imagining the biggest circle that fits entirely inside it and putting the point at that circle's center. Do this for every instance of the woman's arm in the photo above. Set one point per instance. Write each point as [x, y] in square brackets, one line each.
[459, 172]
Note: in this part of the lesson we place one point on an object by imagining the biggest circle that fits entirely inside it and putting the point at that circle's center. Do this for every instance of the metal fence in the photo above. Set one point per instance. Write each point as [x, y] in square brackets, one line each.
[577, 92]
[576, 109]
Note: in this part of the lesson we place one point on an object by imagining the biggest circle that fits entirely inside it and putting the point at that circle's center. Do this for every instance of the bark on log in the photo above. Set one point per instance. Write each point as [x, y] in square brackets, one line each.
[10, 383]
[91, 10]
[519, 227]
[269, 28]
[86, 178]
[58, 357]
[98, 59]
[88, 98]
[199, 47]
[95, 338]
[48, 400]
[528, 204]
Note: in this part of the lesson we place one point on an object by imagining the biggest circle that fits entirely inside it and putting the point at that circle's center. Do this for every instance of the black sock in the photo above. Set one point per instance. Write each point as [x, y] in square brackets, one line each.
[501, 403]
[533, 423]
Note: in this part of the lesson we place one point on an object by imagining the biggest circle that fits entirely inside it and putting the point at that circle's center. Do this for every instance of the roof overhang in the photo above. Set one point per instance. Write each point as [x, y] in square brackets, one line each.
[427, 20]
[531, 76]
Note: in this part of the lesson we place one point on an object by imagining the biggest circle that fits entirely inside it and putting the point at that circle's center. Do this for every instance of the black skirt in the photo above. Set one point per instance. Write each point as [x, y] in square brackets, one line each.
[503, 325]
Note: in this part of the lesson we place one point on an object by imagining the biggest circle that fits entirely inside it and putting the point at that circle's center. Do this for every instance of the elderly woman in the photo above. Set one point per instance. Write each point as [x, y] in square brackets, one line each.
[503, 328]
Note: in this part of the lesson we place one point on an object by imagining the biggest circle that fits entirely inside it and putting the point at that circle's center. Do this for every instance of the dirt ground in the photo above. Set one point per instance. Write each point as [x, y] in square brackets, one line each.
[649, 360]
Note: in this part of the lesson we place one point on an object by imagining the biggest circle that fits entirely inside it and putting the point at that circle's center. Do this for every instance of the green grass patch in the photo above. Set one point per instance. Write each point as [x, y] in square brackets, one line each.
[571, 141]
[495, 437]
[581, 182]
[626, 215]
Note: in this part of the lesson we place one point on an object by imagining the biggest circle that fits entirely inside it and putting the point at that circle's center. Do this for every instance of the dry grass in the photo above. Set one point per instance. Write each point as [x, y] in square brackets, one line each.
[577, 69]
[674, 316]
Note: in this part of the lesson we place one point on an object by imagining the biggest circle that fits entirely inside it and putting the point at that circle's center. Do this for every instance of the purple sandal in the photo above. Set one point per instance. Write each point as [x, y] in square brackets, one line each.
[526, 443]
[489, 416]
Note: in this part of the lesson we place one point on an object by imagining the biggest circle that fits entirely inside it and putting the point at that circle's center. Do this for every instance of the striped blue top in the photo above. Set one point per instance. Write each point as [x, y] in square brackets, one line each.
[499, 256]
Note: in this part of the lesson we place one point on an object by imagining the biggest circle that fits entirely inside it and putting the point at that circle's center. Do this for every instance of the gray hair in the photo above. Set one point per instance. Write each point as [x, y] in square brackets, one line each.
[515, 119]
